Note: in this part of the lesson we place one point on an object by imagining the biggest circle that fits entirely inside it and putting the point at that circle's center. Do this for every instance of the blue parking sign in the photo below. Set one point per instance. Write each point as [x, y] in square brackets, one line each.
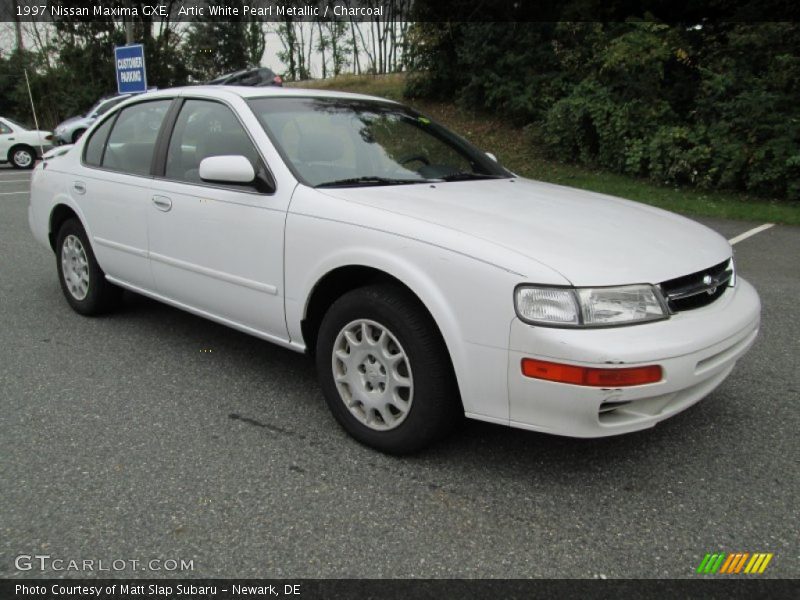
[131, 74]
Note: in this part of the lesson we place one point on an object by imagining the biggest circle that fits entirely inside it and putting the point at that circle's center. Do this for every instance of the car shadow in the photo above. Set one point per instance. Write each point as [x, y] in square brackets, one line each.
[493, 452]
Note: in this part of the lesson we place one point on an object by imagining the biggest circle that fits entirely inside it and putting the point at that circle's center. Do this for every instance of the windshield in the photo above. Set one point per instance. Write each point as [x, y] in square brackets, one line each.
[103, 105]
[109, 104]
[90, 112]
[343, 142]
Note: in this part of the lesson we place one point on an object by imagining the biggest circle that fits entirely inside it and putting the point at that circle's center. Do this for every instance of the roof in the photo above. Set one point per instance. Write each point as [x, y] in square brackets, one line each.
[222, 91]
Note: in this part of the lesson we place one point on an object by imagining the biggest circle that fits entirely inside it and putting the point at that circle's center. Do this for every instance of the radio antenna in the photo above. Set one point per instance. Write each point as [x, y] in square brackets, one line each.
[33, 110]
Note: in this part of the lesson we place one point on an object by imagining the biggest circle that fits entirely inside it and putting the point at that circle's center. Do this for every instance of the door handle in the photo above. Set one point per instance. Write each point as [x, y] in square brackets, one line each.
[79, 187]
[162, 203]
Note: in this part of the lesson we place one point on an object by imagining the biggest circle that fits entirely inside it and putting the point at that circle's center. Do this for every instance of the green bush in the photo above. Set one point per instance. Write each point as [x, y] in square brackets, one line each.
[714, 106]
[680, 154]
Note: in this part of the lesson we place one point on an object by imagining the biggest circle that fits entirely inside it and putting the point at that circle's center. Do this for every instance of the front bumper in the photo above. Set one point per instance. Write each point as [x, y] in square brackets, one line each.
[697, 350]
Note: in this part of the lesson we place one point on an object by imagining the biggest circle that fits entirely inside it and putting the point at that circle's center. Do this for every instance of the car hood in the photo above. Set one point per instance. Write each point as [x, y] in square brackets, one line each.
[589, 238]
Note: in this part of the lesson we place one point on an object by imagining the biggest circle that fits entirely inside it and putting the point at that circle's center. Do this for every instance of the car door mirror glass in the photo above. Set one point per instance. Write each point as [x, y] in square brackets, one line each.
[227, 169]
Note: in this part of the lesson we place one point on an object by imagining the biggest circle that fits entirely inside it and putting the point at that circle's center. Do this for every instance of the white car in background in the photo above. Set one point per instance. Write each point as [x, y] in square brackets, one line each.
[70, 130]
[21, 146]
[428, 281]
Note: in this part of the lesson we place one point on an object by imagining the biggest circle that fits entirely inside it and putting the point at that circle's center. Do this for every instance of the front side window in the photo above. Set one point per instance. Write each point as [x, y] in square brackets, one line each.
[132, 140]
[205, 128]
[344, 142]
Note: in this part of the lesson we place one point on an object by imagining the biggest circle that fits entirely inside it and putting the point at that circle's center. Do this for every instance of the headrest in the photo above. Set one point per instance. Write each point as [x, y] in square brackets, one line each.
[319, 147]
[224, 144]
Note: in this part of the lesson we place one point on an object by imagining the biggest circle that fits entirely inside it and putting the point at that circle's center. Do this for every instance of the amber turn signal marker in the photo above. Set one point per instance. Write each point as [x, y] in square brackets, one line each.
[619, 377]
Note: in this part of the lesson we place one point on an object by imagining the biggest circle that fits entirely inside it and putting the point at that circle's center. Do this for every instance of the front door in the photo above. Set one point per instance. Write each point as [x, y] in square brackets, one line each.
[217, 248]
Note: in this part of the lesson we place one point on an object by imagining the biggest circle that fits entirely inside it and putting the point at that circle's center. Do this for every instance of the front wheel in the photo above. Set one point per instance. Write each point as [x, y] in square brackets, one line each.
[385, 371]
[82, 280]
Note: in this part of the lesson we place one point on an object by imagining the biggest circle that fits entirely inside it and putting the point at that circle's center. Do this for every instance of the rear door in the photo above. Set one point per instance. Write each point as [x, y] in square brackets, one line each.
[217, 248]
[114, 189]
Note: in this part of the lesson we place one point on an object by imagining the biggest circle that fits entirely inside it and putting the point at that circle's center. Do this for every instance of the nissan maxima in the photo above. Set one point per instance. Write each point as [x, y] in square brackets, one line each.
[427, 281]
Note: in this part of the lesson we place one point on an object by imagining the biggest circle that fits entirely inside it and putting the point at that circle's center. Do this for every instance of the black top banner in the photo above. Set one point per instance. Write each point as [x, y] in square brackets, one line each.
[674, 11]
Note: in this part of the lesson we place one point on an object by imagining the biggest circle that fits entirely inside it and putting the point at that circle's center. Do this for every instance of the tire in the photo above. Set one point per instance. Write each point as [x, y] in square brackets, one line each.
[22, 157]
[393, 350]
[77, 135]
[82, 280]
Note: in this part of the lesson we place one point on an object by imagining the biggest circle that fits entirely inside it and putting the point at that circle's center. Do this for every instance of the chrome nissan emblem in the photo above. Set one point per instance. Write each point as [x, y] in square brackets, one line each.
[707, 280]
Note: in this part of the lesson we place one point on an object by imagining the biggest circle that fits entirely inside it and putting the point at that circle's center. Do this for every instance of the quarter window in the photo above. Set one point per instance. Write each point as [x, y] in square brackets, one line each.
[4, 129]
[204, 129]
[93, 155]
[133, 139]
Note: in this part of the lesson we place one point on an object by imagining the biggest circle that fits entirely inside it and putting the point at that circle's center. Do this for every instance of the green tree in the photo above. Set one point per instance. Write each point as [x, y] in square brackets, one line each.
[72, 69]
[710, 104]
[213, 48]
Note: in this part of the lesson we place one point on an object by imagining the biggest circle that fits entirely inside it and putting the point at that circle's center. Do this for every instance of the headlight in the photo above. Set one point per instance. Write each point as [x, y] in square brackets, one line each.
[589, 307]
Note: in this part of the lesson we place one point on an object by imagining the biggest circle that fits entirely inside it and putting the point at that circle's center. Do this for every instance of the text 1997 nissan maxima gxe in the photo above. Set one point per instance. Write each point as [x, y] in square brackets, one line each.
[428, 280]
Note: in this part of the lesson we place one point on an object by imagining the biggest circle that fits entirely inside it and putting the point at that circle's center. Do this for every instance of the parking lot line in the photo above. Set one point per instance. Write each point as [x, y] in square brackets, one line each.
[14, 180]
[750, 233]
[12, 193]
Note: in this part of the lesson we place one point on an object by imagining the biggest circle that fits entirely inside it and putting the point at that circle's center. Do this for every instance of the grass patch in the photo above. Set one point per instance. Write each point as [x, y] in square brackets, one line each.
[387, 86]
[516, 151]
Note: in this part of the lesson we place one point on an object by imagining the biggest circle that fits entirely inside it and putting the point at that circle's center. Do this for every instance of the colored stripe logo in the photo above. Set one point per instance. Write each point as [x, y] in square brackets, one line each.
[734, 563]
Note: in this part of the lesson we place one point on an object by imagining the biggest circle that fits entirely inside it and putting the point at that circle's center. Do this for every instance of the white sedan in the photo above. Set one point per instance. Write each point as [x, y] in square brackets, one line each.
[428, 281]
[21, 146]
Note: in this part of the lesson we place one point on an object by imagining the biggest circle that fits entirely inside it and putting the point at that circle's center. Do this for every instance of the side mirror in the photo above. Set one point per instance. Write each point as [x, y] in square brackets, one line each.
[492, 156]
[227, 169]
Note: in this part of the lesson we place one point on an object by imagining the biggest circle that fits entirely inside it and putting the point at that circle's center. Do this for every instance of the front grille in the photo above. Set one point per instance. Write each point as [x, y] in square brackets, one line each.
[698, 289]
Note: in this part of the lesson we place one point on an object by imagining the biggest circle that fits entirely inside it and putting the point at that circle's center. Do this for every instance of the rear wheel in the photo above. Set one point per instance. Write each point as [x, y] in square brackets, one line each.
[385, 371]
[22, 157]
[82, 280]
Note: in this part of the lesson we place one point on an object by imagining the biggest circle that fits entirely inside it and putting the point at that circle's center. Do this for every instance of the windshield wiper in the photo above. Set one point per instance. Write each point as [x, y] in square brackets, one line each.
[368, 180]
[468, 176]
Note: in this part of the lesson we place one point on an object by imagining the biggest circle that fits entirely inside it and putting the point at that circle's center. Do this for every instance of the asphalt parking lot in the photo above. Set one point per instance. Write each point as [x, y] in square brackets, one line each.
[154, 434]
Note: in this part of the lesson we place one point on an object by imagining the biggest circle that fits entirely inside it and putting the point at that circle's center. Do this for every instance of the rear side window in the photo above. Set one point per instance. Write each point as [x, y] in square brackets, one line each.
[204, 129]
[132, 140]
[94, 147]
